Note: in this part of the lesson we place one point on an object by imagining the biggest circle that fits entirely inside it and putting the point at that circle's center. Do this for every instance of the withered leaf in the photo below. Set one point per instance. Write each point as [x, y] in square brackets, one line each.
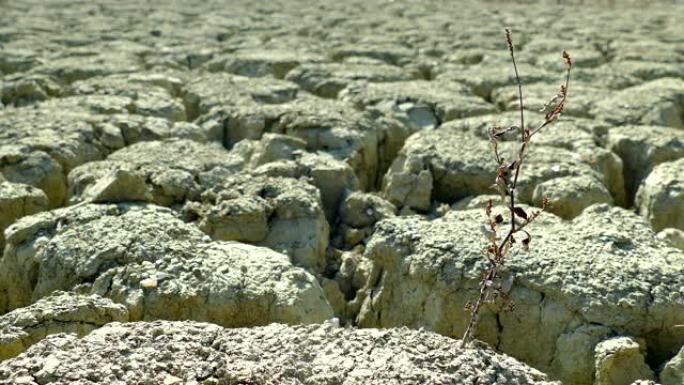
[498, 218]
[520, 212]
[526, 241]
[502, 172]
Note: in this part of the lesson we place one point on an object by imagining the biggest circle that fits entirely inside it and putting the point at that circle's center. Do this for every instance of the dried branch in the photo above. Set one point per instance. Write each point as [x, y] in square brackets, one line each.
[497, 251]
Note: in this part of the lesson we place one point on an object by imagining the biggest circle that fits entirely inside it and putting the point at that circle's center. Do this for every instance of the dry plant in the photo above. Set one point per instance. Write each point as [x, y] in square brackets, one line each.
[507, 173]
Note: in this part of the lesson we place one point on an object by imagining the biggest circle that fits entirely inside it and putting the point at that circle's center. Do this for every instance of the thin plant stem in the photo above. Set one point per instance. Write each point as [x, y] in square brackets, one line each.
[507, 188]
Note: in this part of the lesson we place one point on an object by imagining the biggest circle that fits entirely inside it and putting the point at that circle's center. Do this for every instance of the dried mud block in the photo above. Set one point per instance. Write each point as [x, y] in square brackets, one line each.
[166, 172]
[660, 197]
[192, 352]
[284, 214]
[61, 312]
[157, 266]
[328, 79]
[602, 273]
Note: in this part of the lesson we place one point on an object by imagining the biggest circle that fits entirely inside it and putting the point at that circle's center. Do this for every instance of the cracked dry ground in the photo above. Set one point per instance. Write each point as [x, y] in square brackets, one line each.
[225, 192]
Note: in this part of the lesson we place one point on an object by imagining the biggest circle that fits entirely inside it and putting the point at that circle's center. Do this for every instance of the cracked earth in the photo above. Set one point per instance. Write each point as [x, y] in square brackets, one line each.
[234, 192]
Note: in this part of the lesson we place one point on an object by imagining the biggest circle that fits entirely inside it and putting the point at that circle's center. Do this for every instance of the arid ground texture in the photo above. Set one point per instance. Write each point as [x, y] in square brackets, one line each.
[292, 192]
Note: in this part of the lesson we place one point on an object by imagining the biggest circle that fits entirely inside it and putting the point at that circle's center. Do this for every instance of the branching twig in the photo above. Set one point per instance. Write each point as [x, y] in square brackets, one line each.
[497, 251]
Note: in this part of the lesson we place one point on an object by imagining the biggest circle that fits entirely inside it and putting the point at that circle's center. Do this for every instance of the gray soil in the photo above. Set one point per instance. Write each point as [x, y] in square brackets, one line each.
[291, 192]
